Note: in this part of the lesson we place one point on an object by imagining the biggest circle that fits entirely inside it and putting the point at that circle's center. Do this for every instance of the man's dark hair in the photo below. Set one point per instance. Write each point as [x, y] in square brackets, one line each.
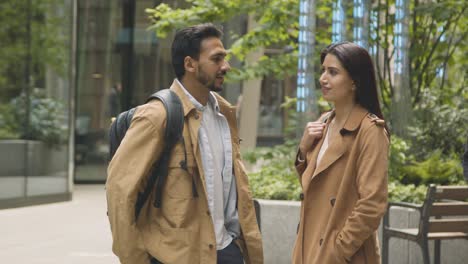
[187, 42]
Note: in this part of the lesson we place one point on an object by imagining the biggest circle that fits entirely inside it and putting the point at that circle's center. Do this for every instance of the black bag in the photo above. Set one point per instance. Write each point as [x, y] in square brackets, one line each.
[173, 133]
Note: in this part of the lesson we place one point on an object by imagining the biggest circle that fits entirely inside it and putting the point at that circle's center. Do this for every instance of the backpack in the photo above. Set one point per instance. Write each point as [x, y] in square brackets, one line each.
[173, 133]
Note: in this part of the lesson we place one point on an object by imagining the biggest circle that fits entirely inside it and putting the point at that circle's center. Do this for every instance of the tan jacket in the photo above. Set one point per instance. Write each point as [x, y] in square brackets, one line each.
[181, 231]
[345, 197]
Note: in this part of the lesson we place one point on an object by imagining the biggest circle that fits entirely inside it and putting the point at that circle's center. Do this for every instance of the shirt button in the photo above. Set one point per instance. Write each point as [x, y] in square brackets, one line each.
[210, 246]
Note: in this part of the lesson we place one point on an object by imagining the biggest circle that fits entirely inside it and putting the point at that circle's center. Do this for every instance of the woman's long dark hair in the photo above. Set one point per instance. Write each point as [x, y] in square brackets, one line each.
[358, 63]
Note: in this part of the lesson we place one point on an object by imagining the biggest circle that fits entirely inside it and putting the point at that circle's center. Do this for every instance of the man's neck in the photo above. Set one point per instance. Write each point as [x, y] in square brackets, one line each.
[198, 91]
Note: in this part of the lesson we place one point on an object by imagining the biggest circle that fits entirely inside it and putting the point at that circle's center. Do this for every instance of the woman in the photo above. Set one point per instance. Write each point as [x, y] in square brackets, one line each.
[342, 163]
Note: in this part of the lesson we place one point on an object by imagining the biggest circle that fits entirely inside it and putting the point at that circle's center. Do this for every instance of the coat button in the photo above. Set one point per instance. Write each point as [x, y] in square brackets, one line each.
[321, 241]
[332, 201]
[301, 196]
[210, 246]
[208, 212]
[197, 116]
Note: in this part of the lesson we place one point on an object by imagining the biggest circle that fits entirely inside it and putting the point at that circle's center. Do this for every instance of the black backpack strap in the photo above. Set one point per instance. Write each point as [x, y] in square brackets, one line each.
[118, 129]
[173, 133]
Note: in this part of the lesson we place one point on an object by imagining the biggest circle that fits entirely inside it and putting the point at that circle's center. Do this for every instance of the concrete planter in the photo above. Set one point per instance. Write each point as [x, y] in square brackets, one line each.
[32, 158]
[279, 221]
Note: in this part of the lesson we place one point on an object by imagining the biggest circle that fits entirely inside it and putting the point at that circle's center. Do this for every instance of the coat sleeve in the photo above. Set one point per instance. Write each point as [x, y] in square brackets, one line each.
[127, 175]
[300, 165]
[371, 185]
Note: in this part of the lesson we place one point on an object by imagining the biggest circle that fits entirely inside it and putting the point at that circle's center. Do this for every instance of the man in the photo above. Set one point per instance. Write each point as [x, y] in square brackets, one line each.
[207, 214]
[114, 100]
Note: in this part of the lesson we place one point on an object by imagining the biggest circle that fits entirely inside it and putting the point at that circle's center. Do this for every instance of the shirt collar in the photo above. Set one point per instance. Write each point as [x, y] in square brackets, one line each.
[211, 99]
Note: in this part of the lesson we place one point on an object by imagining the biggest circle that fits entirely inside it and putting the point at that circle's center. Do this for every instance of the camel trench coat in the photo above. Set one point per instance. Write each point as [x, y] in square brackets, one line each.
[181, 231]
[344, 196]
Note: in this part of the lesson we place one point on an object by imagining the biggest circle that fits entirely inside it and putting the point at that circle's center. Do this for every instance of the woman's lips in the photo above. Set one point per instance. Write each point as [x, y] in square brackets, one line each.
[325, 90]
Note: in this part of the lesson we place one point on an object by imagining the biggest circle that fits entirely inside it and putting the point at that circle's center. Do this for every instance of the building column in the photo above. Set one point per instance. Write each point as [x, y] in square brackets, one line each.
[251, 91]
[306, 99]
[401, 99]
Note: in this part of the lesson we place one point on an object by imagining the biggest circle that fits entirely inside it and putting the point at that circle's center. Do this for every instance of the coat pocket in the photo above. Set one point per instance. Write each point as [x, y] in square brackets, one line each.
[336, 253]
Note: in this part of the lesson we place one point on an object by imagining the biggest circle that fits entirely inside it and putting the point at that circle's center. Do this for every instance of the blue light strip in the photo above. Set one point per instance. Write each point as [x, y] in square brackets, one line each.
[338, 22]
[399, 37]
[359, 11]
[374, 16]
[305, 37]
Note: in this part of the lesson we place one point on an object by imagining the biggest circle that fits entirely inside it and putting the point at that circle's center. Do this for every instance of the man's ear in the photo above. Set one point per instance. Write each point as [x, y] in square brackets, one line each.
[190, 64]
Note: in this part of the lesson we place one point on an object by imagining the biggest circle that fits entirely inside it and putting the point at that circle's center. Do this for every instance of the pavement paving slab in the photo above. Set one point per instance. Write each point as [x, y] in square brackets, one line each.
[74, 232]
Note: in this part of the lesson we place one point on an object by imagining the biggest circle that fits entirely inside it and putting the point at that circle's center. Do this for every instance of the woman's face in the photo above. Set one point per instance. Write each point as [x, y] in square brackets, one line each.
[336, 83]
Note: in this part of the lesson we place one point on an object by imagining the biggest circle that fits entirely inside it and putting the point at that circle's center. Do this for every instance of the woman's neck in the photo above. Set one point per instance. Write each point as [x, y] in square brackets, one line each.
[342, 112]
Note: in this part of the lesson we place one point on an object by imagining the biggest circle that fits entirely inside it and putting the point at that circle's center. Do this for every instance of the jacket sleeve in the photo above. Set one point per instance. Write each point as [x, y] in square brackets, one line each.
[371, 182]
[127, 175]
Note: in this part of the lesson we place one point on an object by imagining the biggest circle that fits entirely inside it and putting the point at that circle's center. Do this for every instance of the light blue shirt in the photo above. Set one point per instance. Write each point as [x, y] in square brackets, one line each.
[214, 140]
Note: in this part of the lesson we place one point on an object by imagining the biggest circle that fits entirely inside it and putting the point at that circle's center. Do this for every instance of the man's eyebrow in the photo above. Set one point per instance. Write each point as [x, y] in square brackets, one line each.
[220, 53]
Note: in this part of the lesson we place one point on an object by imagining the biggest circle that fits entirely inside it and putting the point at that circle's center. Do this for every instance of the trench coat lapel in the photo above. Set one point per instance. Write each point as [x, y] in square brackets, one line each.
[311, 163]
[340, 144]
[332, 154]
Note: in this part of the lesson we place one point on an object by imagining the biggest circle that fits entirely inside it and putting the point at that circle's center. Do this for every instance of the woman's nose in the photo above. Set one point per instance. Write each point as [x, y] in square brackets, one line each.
[322, 78]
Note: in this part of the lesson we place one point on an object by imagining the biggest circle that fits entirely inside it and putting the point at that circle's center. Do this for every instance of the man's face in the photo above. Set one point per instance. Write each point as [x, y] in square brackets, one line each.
[212, 65]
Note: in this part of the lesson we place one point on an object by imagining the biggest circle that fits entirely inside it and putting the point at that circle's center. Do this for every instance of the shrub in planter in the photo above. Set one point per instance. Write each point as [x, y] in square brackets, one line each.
[398, 192]
[8, 127]
[47, 119]
[435, 169]
[277, 178]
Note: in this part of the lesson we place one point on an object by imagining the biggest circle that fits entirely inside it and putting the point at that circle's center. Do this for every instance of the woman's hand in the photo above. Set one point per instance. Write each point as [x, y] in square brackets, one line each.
[312, 132]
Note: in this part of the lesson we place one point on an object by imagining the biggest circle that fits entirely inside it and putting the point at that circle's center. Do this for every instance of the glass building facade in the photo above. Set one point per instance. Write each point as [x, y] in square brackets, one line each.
[36, 40]
[119, 64]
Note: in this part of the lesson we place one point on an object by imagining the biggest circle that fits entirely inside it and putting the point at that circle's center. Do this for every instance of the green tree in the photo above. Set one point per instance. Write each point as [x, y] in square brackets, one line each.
[277, 27]
[29, 40]
[437, 41]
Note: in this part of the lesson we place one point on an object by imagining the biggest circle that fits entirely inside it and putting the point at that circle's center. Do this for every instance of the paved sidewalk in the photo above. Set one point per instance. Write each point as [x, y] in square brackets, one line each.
[75, 232]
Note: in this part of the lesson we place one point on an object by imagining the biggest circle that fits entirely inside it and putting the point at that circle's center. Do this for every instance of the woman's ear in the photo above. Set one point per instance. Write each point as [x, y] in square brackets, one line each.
[190, 64]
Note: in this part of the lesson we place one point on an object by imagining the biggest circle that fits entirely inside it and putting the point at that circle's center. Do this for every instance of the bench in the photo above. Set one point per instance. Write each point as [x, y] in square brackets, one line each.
[443, 215]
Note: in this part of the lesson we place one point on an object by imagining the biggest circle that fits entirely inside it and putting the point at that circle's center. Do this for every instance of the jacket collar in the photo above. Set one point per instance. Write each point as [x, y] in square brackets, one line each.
[224, 106]
[353, 121]
[186, 103]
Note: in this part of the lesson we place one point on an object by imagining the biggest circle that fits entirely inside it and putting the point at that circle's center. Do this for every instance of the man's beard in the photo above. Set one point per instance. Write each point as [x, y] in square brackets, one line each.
[204, 79]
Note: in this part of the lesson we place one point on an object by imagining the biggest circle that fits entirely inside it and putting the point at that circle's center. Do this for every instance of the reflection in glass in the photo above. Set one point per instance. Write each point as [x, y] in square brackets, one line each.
[34, 98]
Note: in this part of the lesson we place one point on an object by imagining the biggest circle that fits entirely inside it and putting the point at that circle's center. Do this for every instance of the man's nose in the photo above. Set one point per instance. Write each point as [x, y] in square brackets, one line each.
[226, 66]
